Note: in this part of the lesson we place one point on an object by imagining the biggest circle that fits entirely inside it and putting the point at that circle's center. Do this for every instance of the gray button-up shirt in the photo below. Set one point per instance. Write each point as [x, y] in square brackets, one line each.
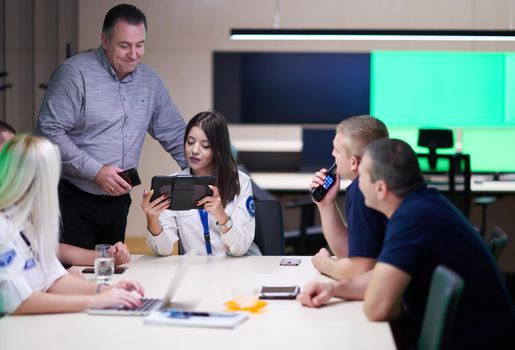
[97, 120]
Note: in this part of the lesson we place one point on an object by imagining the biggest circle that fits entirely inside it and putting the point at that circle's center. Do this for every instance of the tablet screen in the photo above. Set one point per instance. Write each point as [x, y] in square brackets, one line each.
[183, 190]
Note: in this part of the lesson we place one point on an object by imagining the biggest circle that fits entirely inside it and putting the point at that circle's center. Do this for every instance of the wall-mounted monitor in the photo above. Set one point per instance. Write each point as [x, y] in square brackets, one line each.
[442, 88]
[470, 91]
[317, 148]
[291, 88]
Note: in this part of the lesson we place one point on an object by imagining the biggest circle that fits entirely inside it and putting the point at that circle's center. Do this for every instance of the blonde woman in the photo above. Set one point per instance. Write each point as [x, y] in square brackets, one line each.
[32, 280]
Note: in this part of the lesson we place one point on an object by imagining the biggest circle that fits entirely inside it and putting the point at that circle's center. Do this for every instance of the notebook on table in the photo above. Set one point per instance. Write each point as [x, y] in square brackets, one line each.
[150, 304]
[175, 317]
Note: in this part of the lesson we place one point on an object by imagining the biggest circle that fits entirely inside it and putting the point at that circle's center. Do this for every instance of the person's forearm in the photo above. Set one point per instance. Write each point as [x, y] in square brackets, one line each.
[337, 268]
[72, 255]
[60, 110]
[239, 238]
[383, 299]
[69, 284]
[154, 227]
[346, 267]
[335, 231]
[162, 244]
[76, 160]
[44, 303]
[353, 288]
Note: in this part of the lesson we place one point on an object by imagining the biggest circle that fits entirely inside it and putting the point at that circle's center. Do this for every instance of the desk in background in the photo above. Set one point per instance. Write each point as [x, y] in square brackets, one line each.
[288, 182]
[207, 285]
[299, 182]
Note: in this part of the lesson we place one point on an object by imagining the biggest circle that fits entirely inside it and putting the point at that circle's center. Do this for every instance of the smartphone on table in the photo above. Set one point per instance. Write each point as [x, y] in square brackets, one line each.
[117, 270]
[290, 261]
[284, 292]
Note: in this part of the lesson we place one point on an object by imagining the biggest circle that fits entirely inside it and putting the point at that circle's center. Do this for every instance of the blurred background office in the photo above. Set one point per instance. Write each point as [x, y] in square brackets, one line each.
[188, 44]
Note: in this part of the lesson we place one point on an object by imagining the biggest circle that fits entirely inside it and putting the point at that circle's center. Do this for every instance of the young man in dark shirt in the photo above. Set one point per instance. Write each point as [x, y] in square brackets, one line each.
[357, 242]
[424, 230]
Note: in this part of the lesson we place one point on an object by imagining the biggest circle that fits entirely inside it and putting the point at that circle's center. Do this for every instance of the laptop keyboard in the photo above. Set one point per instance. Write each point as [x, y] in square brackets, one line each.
[147, 304]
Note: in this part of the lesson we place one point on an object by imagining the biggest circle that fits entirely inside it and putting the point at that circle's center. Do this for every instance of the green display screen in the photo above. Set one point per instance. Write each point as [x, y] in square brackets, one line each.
[490, 148]
[469, 91]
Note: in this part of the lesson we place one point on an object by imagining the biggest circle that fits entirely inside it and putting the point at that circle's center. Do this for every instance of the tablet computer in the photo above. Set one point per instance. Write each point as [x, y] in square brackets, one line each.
[183, 190]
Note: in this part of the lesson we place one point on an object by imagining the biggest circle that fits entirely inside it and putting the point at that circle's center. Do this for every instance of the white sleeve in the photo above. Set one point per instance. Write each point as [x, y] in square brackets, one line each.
[14, 288]
[14, 284]
[240, 236]
[18, 280]
[53, 271]
[162, 244]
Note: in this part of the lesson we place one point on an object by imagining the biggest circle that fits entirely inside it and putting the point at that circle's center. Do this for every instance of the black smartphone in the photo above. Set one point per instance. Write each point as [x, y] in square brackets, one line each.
[131, 176]
[330, 178]
[287, 292]
[117, 270]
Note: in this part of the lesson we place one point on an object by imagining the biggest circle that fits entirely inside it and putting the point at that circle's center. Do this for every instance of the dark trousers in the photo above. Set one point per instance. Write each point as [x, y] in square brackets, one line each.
[89, 219]
[404, 333]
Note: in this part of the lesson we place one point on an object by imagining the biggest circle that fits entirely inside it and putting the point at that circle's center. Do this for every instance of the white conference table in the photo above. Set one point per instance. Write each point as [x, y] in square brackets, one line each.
[209, 282]
[299, 182]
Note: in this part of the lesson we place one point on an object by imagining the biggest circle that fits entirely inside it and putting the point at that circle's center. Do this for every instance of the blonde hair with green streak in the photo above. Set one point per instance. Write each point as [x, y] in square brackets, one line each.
[30, 167]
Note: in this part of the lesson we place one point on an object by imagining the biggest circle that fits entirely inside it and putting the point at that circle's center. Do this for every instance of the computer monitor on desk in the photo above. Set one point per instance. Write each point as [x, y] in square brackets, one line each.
[317, 148]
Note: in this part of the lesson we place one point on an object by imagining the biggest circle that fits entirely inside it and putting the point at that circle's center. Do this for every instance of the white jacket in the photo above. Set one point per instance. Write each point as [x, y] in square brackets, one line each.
[21, 271]
[187, 225]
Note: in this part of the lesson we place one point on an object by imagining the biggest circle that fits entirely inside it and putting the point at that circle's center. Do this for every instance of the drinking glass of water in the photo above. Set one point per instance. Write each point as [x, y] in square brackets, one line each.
[104, 263]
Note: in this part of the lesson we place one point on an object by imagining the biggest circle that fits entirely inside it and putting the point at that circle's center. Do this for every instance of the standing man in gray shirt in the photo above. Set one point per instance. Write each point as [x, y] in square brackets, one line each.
[98, 107]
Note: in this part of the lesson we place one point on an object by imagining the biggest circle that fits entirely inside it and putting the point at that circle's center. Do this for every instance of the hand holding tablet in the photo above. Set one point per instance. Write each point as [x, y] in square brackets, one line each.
[183, 190]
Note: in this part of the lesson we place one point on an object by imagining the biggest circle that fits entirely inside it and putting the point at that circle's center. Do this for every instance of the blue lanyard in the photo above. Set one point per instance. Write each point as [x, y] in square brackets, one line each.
[207, 238]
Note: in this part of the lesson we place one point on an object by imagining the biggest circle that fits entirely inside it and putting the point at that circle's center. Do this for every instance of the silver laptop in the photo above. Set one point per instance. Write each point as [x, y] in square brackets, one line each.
[149, 304]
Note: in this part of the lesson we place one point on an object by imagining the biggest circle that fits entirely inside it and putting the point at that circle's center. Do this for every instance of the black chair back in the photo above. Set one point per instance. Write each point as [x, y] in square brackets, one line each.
[458, 164]
[442, 303]
[269, 235]
[498, 242]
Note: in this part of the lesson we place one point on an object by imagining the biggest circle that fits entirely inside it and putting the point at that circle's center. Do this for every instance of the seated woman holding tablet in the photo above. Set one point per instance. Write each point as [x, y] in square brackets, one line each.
[32, 280]
[226, 223]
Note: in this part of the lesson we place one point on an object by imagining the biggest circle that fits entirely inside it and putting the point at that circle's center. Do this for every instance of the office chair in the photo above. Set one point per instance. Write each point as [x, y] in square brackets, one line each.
[498, 241]
[444, 296]
[433, 139]
[308, 238]
[458, 163]
[317, 146]
[484, 202]
[269, 236]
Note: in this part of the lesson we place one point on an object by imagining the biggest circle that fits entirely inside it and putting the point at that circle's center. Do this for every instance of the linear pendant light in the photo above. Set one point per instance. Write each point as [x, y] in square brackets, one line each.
[372, 34]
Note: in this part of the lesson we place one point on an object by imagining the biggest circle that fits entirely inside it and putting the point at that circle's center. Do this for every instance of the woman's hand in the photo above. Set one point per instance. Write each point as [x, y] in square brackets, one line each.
[129, 285]
[124, 293]
[153, 210]
[213, 205]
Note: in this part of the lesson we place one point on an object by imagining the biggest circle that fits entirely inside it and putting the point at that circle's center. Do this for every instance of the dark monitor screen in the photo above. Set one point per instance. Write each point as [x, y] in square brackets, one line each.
[317, 148]
[291, 88]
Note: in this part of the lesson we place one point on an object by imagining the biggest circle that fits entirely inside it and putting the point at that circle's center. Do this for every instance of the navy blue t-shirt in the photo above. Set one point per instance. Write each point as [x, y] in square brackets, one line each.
[365, 225]
[426, 231]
